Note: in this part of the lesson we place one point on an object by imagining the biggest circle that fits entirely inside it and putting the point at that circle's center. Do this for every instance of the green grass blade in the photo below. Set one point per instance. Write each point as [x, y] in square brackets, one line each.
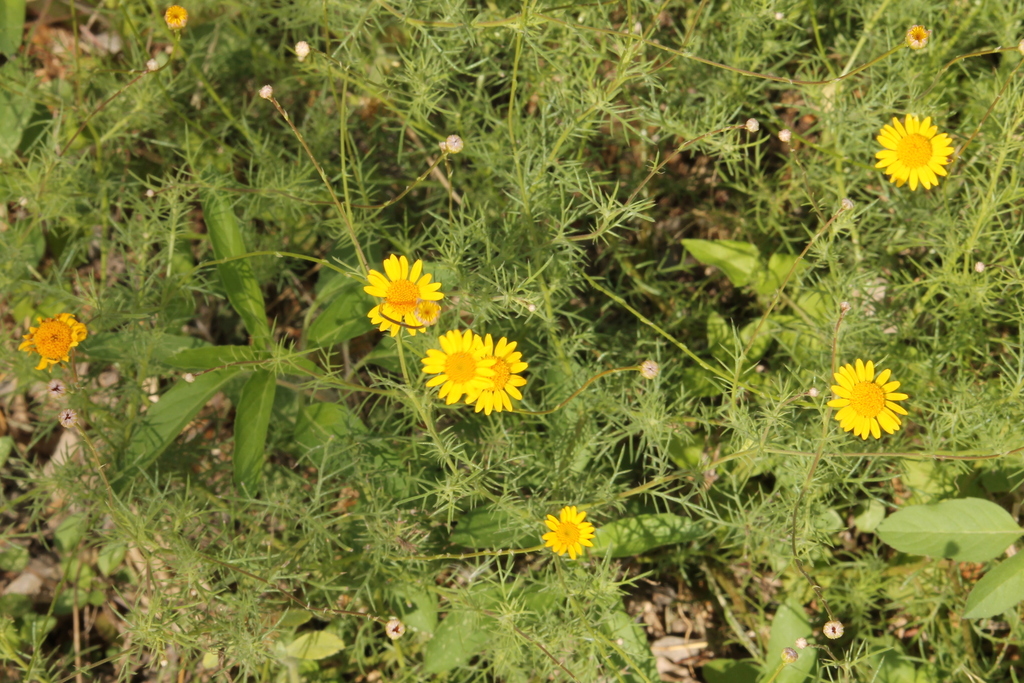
[12, 20]
[251, 421]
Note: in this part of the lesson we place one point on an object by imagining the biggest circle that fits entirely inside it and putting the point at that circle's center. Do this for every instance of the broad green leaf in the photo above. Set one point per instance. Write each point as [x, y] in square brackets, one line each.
[319, 423]
[632, 639]
[965, 530]
[110, 557]
[771, 278]
[15, 112]
[731, 671]
[293, 618]
[486, 528]
[459, 637]
[12, 21]
[738, 260]
[315, 645]
[418, 610]
[13, 558]
[164, 420]
[210, 357]
[789, 624]
[237, 276]
[345, 317]
[6, 448]
[70, 532]
[869, 516]
[998, 591]
[252, 418]
[635, 535]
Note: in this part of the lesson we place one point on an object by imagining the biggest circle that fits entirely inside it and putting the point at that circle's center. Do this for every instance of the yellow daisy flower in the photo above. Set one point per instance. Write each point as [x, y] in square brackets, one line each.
[54, 339]
[505, 381]
[913, 152]
[176, 17]
[427, 313]
[568, 532]
[403, 290]
[865, 401]
[460, 366]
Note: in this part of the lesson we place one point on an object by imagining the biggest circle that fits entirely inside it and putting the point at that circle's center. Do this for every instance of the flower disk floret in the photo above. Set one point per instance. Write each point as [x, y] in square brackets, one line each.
[403, 289]
[460, 366]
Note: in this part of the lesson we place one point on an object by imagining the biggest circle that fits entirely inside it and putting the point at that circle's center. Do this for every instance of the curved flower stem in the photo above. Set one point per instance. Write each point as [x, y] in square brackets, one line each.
[965, 456]
[980, 53]
[327, 183]
[278, 254]
[681, 346]
[576, 393]
[522, 634]
[501, 552]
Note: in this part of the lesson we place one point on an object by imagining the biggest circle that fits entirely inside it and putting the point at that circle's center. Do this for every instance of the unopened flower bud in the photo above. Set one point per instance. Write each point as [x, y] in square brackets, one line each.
[649, 369]
[68, 418]
[847, 204]
[801, 643]
[845, 307]
[979, 267]
[752, 125]
[785, 134]
[789, 655]
[779, 16]
[917, 37]
[150, 193]
[152, 65]
[302, 50]
[832, 629]
[453, 144]
[812, 392]
[394, 628]
[1020, 46]
[266, 92]
[56, 388]
[189, 377]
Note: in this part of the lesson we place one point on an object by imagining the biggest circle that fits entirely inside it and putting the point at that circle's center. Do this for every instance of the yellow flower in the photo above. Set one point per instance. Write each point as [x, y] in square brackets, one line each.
[403, 290]
[913, 152]
[865, 401]
[568, 532]
[54, 339]
[506, 381]
[426, 313]
[917, 37]
[176, 17]
[460, 366]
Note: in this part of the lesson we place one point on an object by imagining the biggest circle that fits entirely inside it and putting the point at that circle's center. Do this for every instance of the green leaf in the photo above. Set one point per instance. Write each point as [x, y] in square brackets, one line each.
[965, 530]
[12, 22]
[738, 260]
[635, 535]
[6, 448]
[110, 347]
[633, 641]
[869, 516]
[418, 610]
[71, 531]
[998, 591]
[13, 558]
[252, 418]
[486, 528]
[15, 112]
[459, 637]
[771, 279]
[163, 422]
[731, 671]
[789, 624]
[237, 276]
[110, 557]
[345, 317]
[207, 357]
[319, 423]
[315, 645]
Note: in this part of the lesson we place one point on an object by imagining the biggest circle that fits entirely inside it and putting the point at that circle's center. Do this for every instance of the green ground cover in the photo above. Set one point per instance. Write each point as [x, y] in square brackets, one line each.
[783, 383]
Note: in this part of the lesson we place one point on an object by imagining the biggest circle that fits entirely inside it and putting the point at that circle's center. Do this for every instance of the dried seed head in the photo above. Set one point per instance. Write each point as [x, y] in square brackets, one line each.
[68, 418]
[845, 307]
[152, 65]
[847, 204]
[394, 628]
[801, 643]
[189, 377]
[979, 267]
[917, 37]
[452, 144]
[752, 125]
[649, 369]
[302, 50]
[832, 629]
[266, 92]
[789, 655]
[56, 388]
[812, 392]
[785, 134]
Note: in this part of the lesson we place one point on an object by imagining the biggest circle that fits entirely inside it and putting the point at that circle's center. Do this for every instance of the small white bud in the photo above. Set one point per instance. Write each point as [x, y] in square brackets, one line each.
[833, 629]
[785, 134]
[68, 418]
[23, 202]
[789, 655]
[394, 628]
[189, 377]
[752, 125]
[150, 193]
[453, 144]
[979, 267]
[1020, 46]
[649, 369]
[152, 65]
[813, 392]
[266, 92]
[56, 388]
[847, 204]
[779, 16]
[845, 307]
[302, 50]
[801, 643]
[532, 308]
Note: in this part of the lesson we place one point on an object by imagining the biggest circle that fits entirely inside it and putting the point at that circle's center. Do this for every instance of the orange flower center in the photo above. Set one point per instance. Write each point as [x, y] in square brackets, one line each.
[914, 151]
[501, 374]
[867, 399]
[53, 339]
[568, 534]
[402, 296]
[460, 366]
